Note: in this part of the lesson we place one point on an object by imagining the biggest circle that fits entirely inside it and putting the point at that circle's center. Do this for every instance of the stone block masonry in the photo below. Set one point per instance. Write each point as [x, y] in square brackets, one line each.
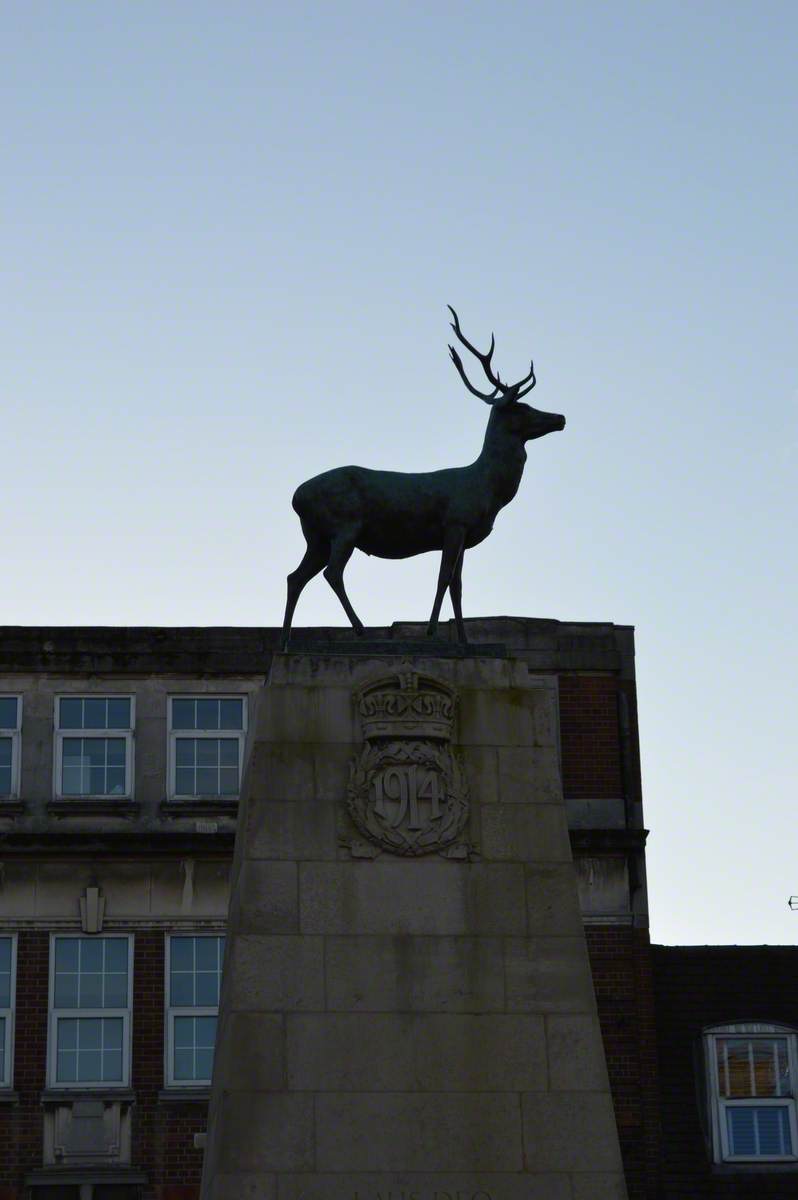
[392, 1022]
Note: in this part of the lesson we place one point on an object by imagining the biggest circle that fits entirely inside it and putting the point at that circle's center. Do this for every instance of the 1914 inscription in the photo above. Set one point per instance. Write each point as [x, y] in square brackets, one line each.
[406, 788]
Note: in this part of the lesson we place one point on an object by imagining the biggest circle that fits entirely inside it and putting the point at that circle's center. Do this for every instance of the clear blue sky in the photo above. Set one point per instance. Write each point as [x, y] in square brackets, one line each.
[229, 233]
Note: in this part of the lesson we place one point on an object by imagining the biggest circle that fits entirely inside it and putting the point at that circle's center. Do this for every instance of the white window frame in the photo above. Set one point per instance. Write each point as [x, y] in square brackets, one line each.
[55, 1014]
[16, 745]
[718, 1103]
[171, 1013]
[60, 734]
[7, 1080]
[174, 734]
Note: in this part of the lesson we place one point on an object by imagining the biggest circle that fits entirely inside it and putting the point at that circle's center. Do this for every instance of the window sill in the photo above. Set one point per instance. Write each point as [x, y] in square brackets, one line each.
[7, 1096]
[11, 807]
[753, 1166]
[73, 1175]
[82, 806]
[185, 1095]
[201, 806]
[69, 1095]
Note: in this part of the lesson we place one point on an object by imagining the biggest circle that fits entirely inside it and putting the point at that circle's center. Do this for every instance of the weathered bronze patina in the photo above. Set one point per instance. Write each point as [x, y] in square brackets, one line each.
[393, 514]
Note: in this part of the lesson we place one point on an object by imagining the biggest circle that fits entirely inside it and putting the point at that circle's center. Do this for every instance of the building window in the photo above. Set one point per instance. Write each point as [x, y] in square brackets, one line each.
[193, 972]
[10, 724]
[94, 746]
[90, 989]
[206, 745]
[751, 1074]
[8, 963]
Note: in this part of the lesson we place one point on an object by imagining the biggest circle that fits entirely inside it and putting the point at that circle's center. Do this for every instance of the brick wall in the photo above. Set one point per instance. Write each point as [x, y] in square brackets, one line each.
[697, 986]
[621, 963]
[21, 1123]
[591, 753]
[163, 1130]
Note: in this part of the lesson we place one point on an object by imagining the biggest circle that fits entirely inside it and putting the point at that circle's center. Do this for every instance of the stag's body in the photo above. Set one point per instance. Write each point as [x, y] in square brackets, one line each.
[393, 514]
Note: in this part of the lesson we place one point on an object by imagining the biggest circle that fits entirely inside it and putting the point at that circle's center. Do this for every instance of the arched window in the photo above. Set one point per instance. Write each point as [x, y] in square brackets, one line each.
[751, 1072]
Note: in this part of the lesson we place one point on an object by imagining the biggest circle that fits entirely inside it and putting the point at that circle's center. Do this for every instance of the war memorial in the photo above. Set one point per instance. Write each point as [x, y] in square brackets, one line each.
[407, 1007]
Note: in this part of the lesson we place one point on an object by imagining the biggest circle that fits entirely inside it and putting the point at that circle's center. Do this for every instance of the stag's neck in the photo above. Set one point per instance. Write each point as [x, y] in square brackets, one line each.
[501, 463]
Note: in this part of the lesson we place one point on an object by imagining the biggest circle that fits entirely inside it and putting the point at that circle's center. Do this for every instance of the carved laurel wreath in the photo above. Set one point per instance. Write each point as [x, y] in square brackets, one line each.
[453, 803]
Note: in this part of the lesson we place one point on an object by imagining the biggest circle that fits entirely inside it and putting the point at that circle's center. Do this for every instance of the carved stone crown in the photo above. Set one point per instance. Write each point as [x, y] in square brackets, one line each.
[406, 704]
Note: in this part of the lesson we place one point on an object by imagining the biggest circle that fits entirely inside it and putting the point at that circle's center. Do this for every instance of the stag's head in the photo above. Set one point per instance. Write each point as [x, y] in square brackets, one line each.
[520, 420]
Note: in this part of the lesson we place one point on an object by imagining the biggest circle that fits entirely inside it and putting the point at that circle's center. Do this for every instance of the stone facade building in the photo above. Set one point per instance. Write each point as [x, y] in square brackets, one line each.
[120, 760]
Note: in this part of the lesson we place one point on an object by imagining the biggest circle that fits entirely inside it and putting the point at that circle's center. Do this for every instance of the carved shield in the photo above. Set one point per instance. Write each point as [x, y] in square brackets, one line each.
[407, 792]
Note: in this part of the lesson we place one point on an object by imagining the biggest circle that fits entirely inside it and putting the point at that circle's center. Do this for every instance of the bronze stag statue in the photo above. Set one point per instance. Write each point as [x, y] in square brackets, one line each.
[395, 514]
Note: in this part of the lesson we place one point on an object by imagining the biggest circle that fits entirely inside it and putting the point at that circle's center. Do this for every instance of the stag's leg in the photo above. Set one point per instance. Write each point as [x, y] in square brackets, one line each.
[456, 592]
[453, 543]
[316, 556]
[340, 554]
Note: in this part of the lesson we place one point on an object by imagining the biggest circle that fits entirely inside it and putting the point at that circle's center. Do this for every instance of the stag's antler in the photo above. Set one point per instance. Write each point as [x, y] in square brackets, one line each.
[502, 393]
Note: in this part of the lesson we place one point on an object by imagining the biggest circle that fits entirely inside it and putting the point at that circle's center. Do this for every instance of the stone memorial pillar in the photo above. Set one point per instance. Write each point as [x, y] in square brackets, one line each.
[407, 1009]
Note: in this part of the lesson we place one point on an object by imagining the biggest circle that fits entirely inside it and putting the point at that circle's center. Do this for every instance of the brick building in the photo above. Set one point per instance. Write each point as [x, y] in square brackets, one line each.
[120, 760]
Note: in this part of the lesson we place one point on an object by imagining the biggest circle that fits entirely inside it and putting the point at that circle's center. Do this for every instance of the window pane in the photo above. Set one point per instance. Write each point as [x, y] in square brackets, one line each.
[90, 1065]
[68, 1034]
[5, 974]
[72, 774]
[207, 752]
[184, 1031]
[767, 1065]
[91, 990]
[112, 1033]
[115, 990]
[228, 752]
[115, 749]
[90, 1033]
[184, 781]
[2, 1047]
[773, 1128]
[231, 714]
[94, 751]
[66, 954]
[738, 1066]
[207, 714]
[112, 1065]
[8, 712]
[5, 766]
[207, 781]
[184, 752]
[66, 990]
[115, 781]
[184, 1064]
[754, 1131]
[181, 994]
[118, 713]
[207, 953]
[182, 953]
[71, 781]
[97, 781]
[95, 713]
[228, 781]
[183, 714]
[205, 1034]
[207, 989]
[92, 954]
[204, 1063]
[70, 714]
[116, 954]
[66, 1069]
